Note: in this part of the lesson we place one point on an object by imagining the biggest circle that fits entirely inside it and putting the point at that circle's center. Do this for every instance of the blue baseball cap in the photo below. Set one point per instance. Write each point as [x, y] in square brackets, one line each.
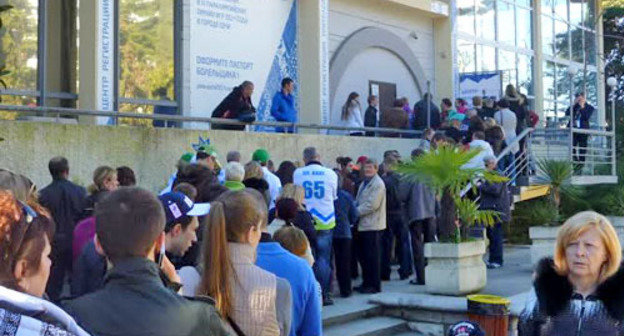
[178, 205]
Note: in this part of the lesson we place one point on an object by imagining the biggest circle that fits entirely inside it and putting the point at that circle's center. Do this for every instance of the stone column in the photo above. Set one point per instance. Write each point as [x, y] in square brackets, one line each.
[444, 41]
[97, 45]
[538, 61]
[313, 36]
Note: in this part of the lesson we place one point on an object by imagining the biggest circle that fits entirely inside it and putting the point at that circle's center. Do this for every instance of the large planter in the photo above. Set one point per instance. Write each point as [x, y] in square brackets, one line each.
[543, 239]
[455, 269]
[618, 225]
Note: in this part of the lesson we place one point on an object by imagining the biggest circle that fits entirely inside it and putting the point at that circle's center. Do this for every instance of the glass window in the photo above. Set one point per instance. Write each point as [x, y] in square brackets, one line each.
[562, 82]
[561, 9]
[589, 14]
[523, 23]
[547, 35]
[19, 48]
[466, 16]
[525, 3]
[549, 80]
[507, 64]
[591, 88]
[506, 23]
[146, 49]
[486, 28]
[576, 11]
[525, 74]
[578, 45]
[547, 6]
[486, 58]
[562, 47]
[590, 47]
[465, 56]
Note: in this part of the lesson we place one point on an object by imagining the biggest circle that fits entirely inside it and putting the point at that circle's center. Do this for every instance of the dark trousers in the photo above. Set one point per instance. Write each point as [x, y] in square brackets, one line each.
[355, 247]
[342, 256]
[61, 257]
[370, 259]
[422, 231]
[396, 228]
[495, 235]
[579, 140]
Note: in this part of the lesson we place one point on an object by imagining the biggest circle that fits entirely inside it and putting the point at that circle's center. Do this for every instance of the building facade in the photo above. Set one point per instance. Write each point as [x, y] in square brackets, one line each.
[130, 55]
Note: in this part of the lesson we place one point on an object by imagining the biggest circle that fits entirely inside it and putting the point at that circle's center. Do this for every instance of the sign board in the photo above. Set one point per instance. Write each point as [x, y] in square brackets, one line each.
[105, 80]
[485, 84]
[236, 41]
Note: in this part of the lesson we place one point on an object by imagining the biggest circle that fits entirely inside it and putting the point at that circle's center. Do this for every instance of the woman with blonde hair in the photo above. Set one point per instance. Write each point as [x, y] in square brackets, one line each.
[104, 181]
[581, 289]
[254, 179]
[253, 301]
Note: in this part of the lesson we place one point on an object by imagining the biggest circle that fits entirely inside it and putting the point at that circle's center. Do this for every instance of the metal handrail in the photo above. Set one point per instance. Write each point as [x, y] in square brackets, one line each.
[57, 111]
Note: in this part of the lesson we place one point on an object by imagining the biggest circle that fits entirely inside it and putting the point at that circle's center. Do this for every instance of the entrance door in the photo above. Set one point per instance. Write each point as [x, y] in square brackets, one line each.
[386, 92]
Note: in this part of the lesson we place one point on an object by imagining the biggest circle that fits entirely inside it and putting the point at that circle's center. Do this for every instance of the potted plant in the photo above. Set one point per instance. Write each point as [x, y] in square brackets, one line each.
[455, 264]
[557, 174]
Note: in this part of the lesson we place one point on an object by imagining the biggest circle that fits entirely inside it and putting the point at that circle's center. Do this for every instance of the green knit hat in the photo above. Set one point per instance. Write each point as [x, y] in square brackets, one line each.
[261, 155]
[187, 157]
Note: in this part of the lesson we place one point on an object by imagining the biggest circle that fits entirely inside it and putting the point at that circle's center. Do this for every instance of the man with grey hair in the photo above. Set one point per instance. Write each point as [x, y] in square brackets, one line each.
[496, 197]
[234, 175]
[321, 190]
[233, 156]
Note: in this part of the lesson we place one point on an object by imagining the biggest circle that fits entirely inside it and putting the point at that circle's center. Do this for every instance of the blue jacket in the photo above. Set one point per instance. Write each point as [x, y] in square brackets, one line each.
[283, 107]
[306, 302]
[346, 215]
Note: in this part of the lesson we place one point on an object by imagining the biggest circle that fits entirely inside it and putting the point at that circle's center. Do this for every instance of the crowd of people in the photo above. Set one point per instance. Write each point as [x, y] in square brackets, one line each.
[248, 249]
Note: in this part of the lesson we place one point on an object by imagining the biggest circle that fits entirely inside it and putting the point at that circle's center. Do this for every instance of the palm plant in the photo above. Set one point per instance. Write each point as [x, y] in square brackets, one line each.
[558, 175]
[443, 171]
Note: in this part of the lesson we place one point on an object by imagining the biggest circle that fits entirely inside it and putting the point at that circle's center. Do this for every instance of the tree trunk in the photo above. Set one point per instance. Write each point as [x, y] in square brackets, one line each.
[446, 222]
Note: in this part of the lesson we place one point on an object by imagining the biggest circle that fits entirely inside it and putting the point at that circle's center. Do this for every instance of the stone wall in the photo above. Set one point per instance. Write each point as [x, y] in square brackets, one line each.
[153, 152]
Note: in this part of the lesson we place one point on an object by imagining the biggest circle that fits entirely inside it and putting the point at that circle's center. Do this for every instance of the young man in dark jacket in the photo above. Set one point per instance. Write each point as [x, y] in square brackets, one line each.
[495, 197]
[396, 226]
[420, 113]
[66, 202]
[371, 114]
[237, 103]
[346, 219]
[580, 116]
[130, 225]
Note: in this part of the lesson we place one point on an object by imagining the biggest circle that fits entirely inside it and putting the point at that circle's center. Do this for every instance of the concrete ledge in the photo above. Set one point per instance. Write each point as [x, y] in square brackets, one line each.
[428, 314]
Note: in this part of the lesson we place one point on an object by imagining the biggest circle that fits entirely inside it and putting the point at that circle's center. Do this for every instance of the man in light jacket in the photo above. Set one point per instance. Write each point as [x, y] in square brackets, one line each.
[371, 205]
[508, 121]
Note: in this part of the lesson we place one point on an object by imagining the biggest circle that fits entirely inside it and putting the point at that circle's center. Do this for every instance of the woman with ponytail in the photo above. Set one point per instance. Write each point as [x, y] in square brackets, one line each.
[104, 181]
[254, 302]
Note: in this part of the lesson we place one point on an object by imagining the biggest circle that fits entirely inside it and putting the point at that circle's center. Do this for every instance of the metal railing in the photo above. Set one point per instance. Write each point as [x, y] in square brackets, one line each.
[58, 112]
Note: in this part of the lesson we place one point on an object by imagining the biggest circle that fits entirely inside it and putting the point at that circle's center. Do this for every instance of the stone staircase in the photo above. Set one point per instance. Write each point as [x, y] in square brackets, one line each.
[361, 319]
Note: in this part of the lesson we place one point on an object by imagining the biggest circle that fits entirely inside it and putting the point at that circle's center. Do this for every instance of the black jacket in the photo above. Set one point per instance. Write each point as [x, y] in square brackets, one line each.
[583, 115]
[134, 301]
[304, 221]
[496, 197]
[91, 201]
[393, 199]
[88, 271]
[370, 117]
[555, 310]
[231, 107]
[66, 202]
[420, 115]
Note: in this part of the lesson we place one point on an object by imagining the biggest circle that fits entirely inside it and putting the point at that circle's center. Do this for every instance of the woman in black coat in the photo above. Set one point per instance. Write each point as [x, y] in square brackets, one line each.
[581, 290]
[235, 104]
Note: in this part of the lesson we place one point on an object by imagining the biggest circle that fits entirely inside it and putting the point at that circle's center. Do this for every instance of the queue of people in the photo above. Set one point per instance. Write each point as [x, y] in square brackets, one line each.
[247, 250]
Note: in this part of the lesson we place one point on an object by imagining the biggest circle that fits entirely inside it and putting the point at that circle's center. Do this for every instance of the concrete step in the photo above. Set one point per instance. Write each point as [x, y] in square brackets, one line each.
[368, 327]
[342, 314]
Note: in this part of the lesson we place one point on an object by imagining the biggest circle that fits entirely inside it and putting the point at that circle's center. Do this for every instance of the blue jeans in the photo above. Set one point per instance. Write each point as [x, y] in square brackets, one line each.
[322, 264]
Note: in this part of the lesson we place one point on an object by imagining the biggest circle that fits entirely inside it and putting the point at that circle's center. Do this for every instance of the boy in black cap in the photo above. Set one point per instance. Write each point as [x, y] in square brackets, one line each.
[181, 221]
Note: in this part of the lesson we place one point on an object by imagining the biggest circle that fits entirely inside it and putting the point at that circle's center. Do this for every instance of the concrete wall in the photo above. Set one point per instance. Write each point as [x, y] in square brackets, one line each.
[152, 153]
[348, 16]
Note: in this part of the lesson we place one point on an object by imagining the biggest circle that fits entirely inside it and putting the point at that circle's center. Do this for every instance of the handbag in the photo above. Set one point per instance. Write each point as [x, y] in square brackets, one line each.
[248, 116]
